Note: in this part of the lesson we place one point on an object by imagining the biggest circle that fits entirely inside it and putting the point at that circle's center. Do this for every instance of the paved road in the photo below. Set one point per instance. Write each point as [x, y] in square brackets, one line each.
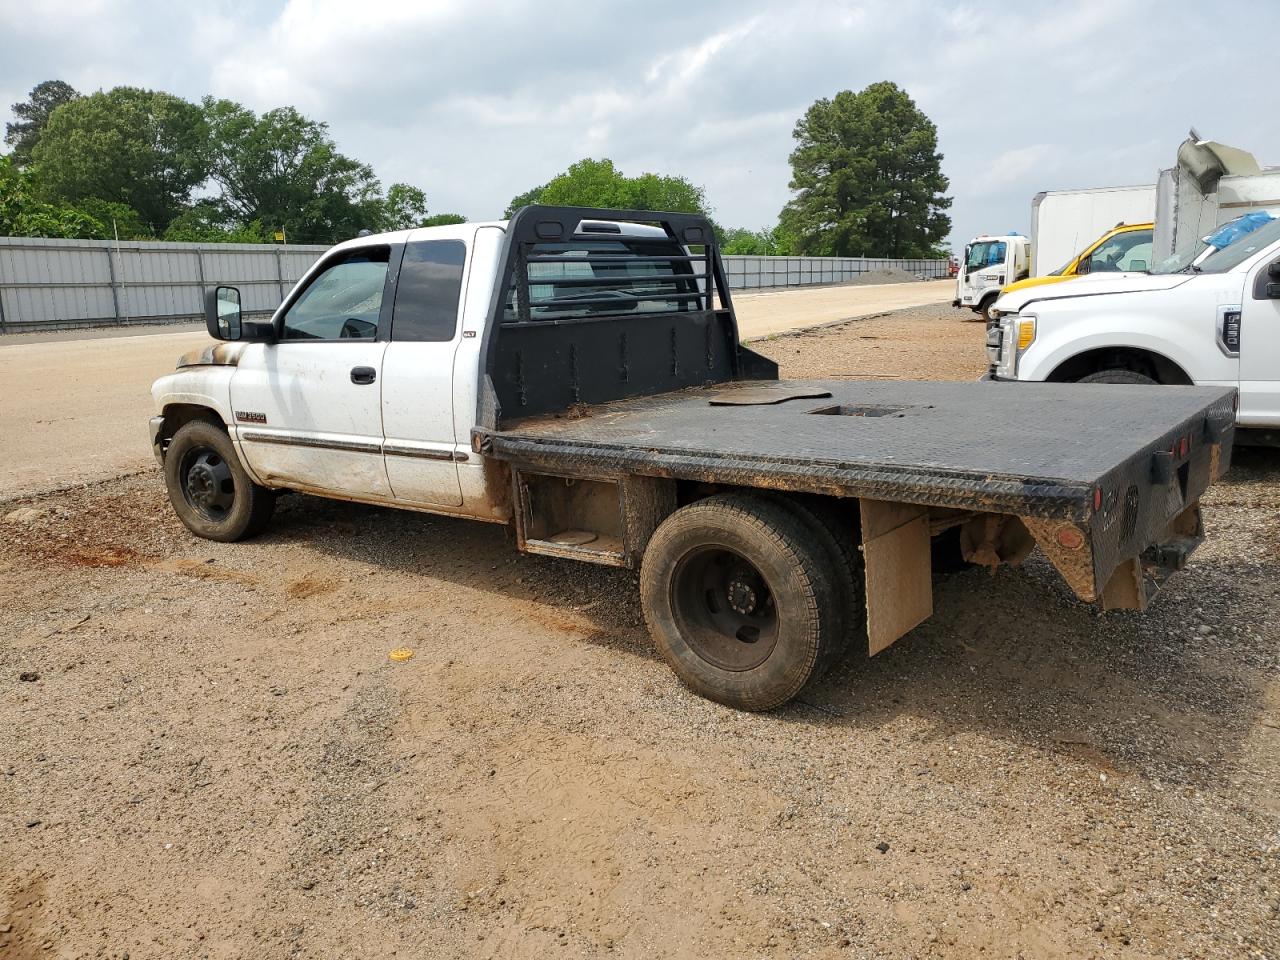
[74, 407]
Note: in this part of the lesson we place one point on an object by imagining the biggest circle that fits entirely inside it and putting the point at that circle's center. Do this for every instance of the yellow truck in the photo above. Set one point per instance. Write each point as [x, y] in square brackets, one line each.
[1125, 247]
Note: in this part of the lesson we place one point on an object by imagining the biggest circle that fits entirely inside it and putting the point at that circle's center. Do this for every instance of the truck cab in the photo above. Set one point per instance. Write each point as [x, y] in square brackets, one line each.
[989, 264]
[1122, 249]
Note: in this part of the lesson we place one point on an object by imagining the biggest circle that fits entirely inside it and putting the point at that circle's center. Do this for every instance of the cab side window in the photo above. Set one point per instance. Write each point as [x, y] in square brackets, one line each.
[343, 301]
[428, 290]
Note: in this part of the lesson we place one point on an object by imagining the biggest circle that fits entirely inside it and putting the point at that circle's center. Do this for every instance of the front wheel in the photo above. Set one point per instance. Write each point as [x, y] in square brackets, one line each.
[740, 600]
[208, 487]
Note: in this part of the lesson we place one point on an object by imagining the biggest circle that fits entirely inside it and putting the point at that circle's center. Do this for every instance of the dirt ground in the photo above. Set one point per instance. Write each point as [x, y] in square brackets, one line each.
[206, 752]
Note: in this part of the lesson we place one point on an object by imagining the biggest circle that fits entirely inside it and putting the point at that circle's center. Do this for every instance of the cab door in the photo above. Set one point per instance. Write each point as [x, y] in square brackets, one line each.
[421, 449]
[1259, 346]
[308, 407]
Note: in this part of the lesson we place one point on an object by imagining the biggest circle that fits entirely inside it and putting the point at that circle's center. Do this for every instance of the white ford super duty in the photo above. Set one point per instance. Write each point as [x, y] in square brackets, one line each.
[1209, 317]
[578, 375]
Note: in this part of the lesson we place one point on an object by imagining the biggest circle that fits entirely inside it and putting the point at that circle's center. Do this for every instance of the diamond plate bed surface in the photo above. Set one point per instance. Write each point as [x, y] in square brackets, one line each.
[962, 444]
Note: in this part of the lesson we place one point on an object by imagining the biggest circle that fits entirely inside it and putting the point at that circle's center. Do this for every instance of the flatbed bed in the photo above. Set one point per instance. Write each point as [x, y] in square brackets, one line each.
[964, 445]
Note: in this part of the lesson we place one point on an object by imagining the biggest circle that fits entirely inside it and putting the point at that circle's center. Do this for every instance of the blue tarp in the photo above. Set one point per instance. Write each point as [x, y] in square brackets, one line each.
[1232, 231]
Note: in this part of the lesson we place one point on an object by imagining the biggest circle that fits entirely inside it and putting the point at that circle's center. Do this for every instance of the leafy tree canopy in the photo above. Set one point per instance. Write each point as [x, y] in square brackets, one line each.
[868, 178]
[775, 242]
[206, 222]
[23, 214]
[405, 207]
[142, 148]
[32, 115]
[284, 170]
[598, 183]
[523, 200]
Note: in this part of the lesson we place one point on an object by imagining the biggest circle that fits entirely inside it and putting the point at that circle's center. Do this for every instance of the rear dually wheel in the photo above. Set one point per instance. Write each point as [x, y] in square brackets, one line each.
[741, 601]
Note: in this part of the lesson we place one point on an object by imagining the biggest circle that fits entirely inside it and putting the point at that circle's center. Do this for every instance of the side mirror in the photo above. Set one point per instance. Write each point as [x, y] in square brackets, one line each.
[222, 313]
[1270, 291]
[222, 317]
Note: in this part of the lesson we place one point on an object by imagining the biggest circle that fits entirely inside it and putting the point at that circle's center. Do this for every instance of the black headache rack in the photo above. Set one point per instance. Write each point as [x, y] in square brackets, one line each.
[595, 305]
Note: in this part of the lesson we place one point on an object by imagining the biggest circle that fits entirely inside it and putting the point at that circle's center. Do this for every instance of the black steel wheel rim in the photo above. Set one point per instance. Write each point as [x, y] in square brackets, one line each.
[724, 608]
[208, 485]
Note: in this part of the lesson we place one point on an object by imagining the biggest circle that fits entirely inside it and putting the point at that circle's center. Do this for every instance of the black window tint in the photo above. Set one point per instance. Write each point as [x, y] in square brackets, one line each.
[428, 289]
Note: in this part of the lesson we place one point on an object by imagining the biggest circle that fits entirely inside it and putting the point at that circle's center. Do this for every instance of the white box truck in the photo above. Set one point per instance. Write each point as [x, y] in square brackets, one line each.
[1064, 222]
[989, 263]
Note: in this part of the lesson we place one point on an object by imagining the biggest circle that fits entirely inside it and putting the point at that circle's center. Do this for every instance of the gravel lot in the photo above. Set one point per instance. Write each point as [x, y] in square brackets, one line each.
[206, 752]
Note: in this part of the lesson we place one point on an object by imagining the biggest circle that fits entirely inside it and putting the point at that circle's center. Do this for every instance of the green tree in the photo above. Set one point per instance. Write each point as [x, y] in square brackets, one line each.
[24, 214]
[868, 177]
[598, 183]
[117, 219]
[206, 222]
[32, 115]
[523, 200]
[406, 207]
[774, 242]
[283, 170]
[142, 148]
[443, 219]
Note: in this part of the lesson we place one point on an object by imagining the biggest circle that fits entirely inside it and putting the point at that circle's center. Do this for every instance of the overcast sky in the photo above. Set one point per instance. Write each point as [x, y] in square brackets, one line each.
[476, 102]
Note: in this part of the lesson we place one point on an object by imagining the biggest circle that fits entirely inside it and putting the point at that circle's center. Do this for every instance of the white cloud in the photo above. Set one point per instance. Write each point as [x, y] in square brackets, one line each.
[478, 100]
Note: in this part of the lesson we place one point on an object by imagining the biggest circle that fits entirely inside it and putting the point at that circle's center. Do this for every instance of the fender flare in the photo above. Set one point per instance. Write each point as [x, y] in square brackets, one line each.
[1160, 359]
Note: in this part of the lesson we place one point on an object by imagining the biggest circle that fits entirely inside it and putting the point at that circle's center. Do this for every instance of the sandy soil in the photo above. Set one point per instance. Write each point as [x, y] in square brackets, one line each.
[212, 755]
[775, 311]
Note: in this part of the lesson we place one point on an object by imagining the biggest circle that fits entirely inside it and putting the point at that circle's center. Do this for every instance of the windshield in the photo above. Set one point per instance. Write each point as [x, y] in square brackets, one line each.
[1130, 250]
[985, 253]
[1123, 252]
[1225, 259]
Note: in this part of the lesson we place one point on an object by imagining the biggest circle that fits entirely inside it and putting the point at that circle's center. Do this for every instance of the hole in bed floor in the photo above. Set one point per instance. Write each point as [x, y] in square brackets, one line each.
[864, 410]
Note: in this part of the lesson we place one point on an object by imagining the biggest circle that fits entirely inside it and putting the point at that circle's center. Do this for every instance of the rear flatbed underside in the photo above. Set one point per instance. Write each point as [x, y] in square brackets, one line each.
[1034, 449]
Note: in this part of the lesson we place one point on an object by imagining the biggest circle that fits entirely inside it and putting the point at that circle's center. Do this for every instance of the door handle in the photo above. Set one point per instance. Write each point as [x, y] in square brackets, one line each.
[363, 375]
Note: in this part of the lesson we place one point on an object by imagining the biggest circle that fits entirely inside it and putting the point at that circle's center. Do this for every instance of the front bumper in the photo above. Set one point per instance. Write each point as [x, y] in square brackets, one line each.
[157, 438]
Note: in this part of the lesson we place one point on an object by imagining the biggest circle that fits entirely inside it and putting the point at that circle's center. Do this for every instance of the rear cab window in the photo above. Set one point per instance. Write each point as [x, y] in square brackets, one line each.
[591, 278]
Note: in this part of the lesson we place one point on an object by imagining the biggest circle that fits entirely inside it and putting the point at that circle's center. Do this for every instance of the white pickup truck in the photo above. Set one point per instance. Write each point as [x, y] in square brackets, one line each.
[578, 375]
[1208, 317]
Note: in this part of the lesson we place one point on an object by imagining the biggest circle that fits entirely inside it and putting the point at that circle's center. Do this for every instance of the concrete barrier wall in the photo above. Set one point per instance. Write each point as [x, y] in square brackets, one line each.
[56, 284]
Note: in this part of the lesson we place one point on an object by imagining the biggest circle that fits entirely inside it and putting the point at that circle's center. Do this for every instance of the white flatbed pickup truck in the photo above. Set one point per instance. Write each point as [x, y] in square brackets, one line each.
[578, 375]
[1210, 316]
